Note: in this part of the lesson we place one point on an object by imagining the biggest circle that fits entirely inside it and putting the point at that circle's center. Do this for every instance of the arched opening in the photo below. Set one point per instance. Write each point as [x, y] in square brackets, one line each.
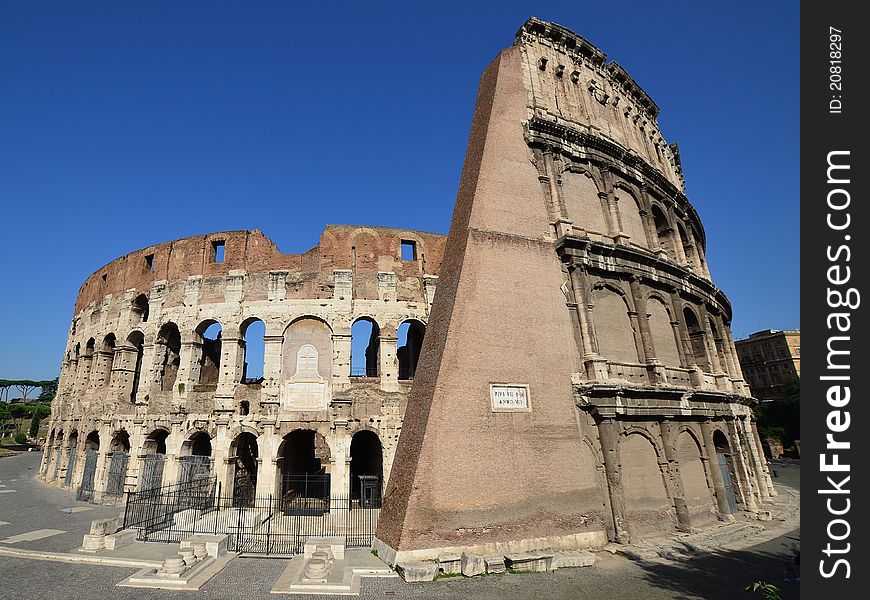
[364, 348]
[409, 340]
[662, 332]
[366, 469]
[139, 311]
[664, 231]
[151, 470]
[614, 331]
[303, 457]
[243, 454]
[137, 341]
[72, 451]
[195, 460]
[647, 502]
[105, 359]
[88, 362]
[253, 350]
[85, 492]
[209, 333]
[725, 464]
[119, 458]
[688, 248]
[697, 344]
[169, 347]
[700, 503]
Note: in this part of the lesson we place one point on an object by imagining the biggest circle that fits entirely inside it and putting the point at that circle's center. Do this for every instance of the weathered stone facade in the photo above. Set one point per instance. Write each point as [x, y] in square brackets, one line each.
[577, 381]
[140, 378]
[575, 265]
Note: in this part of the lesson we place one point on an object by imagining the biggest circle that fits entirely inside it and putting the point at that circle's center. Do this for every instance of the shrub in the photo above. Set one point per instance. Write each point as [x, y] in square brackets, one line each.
[20, 438]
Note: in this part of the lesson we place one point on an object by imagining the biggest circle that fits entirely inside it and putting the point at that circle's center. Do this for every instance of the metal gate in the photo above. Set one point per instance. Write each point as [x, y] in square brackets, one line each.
[726, 478]
[57, 458]
[117, 473]
[151, 475]
[193, 468]
[86, 489]
[244, 485]
[70, 467]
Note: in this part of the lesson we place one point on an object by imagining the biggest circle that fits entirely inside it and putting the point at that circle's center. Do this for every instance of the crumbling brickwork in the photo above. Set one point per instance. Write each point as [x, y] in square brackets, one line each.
[140, 367]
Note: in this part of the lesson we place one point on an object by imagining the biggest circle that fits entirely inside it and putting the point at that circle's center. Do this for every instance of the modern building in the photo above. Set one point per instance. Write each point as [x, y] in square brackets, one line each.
[769, 360]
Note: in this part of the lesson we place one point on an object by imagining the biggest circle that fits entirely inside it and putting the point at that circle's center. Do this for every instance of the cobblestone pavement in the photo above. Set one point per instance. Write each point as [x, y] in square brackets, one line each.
[719, 575]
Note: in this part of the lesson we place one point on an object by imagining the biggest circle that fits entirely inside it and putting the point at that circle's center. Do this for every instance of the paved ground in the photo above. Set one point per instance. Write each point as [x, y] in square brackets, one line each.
[34, 506]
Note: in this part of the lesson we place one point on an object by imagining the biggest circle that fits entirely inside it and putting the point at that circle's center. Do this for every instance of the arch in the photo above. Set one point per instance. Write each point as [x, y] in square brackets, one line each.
[252, 340]
[662, 332]
[630, 214]
[151, 467]
[720, 441]
[196, 458]
[688, 248]
[120, 441]
[169, 353]
[244, 454]
[92, 441]
[303, 457]
[197, 444]
[366, 468]
[209, 336]
[700, 502]
[136, 339]
[409, 341]
[139, 311]
[365, 348]
[580, 195]
[647, 503]
[664, 230]
[614, 330]
[307, 331]
[73, 439]
[697, 343]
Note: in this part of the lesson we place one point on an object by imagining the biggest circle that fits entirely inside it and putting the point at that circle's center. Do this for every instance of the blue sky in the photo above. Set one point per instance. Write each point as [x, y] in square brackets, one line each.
[127, 124]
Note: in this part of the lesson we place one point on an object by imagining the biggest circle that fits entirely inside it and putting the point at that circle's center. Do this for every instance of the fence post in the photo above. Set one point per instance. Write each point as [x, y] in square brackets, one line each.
[269, 528]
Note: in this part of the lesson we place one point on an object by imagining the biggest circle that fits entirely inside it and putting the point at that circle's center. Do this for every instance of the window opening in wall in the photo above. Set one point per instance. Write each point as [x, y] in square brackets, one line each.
[253, 347]
[105, 277]
[409, 250]
[210, 359]
[217, 251]
[409, 340]
[364, 347]
[149, 263]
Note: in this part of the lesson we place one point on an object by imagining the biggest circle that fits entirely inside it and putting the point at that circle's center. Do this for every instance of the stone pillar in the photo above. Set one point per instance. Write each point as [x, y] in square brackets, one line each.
[643, 321]
[771, 489]
[678, 241]
[339, 444]
[220, 453]
[756, 459]
[137, 440]
[86, 365]
[672, 468]
[389, 365]
[268, 442]
[609, 438]
[188, 368]
[101, 472]
[715, 472]
[272, 346]
[173, 450]
[743, 477]
[587, 348]
[608, 197]
[341, 357]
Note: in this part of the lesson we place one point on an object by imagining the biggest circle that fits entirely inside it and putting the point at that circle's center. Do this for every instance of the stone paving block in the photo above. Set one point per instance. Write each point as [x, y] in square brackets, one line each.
[417, 571]
[472, 565]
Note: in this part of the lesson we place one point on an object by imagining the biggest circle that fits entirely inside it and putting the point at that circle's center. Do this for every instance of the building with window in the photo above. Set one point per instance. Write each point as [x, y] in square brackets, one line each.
[769, 359]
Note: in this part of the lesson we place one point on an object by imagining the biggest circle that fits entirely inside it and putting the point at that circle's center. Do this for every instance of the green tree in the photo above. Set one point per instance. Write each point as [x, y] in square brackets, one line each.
[34, 425]
[781, 419]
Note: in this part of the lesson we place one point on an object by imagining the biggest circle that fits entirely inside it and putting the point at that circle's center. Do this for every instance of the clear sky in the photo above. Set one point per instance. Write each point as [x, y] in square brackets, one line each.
[126, 124]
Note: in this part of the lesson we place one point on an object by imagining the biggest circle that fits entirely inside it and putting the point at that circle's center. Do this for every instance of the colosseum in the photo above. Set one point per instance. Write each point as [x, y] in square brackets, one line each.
[572, 381]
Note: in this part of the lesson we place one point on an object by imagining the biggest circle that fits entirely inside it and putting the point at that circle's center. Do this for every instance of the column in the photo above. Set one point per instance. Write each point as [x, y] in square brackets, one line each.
[609, 199]
[267, 470]
[672, 467]
[609, 438]
[389, 365]
[341, 357]
[339, 443]
[770, 487]
[755, 458]
[272, 346]
[738, 453]
[642, 321]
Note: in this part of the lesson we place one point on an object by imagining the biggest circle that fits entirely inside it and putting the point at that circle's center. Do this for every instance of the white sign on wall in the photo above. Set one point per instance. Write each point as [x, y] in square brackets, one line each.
[509, 397]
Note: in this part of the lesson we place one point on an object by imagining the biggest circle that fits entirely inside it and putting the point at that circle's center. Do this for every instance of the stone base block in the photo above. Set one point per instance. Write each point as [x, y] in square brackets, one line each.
[472, 565]
[215, 545]
[536, 562]
[334, 544]
[573, 558]
[417, 571]
[93, 543]
[450, 564]
[125, 537]
[494, 564]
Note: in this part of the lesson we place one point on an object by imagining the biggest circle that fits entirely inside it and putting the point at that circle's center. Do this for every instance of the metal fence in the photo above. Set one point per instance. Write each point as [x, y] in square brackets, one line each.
[268, 525]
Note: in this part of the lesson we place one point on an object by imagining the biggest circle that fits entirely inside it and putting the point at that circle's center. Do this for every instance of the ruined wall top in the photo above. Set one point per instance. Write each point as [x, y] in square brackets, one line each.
[358, 248]
[571, 83]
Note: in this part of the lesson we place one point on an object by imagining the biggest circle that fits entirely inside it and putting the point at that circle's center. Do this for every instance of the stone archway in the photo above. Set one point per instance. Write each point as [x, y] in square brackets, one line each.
[243, 454]
[647, 503]
[303, 458]
[366, 468]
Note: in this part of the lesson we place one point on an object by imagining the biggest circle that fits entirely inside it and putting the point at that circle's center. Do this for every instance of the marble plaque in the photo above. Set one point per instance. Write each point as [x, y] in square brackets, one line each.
[509, 397]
